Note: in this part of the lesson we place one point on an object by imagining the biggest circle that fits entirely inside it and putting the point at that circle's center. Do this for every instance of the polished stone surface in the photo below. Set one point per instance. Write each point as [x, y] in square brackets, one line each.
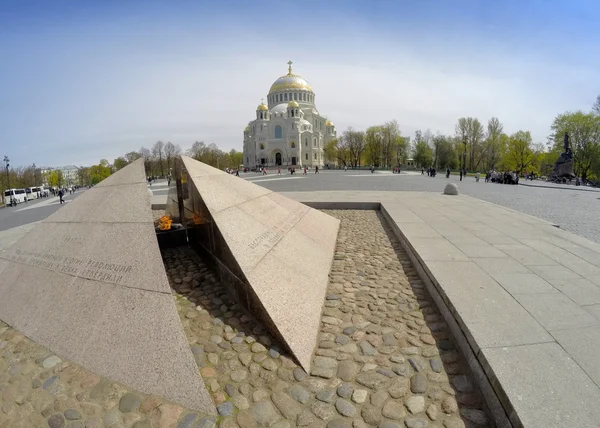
[274, 252]
[88, 283]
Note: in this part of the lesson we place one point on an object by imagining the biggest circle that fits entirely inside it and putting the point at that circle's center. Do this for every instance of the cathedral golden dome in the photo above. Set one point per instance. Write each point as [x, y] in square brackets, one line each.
[329, 123]
[290, 81]
[247, 129]
[262, 107]
[293, 104]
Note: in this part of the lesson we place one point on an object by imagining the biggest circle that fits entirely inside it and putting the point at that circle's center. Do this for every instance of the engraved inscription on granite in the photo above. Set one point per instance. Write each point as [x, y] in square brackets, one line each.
[277, 230]
[97, 270]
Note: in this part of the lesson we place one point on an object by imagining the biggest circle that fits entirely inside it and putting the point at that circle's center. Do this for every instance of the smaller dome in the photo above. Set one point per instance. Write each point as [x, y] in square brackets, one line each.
[293, 104]
[329, 123]
[262, 107]
[247, 129]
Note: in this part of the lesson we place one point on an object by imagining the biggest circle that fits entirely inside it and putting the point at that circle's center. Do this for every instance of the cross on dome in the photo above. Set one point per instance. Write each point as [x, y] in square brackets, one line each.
[290, 67]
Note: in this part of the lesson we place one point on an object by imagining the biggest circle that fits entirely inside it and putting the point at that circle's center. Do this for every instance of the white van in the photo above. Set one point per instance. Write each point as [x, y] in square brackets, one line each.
[42, 191]
[30, 193]
[15, 195]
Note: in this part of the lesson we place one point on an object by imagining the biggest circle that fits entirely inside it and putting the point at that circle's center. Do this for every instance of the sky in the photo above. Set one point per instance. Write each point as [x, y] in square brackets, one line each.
[81, 81]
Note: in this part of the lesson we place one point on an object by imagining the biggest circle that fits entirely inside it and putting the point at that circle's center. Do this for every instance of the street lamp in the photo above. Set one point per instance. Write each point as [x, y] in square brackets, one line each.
[464, 158]
[6, 161]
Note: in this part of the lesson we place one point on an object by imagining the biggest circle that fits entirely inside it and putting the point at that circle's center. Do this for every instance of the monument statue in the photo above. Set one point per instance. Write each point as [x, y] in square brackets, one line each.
[564, 166]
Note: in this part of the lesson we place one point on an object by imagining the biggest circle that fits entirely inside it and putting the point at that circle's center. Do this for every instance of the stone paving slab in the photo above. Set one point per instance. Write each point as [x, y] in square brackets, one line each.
[531, 319]
[546, 388]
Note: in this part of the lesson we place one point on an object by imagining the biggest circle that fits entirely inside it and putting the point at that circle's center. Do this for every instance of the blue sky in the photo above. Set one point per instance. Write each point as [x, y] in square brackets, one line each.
[81, 81]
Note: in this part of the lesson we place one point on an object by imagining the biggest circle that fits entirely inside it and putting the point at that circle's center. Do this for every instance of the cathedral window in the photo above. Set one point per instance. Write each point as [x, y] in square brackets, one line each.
[306, 142]
[315, 156]
[293, 145]
[295, 96]
[306, 156]
[285, 96]
[303, 97]
[292, 116]
[262, 146]
[315, 142]
[278, 132]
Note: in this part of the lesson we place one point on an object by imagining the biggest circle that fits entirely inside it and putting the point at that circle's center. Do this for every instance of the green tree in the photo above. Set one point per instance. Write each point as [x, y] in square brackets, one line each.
[519, 155]
[132, 156]
[98, 173]
[584, 138]
[401, 149]
[120, 162]
[423, 155]
[444, 155]
[373, 144]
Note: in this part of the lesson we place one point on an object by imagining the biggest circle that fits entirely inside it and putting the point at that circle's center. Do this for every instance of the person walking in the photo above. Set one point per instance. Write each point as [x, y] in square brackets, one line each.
[448, 172]
[345, 168]
[278, 170]
[317, 169]
[477, 175]
[422, 171]
[237, 172]
[461, 174]
[304, 171]
[60, 196]
[264, 171]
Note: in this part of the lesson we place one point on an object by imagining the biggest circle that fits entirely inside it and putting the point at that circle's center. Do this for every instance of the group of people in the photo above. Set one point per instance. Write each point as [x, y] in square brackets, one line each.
[502, 177]
[291, 170]
[431, 172]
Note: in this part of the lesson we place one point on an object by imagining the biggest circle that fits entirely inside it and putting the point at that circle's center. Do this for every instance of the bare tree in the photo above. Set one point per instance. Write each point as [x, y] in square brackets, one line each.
[470, 130]
[492, 147]
[596, 106]
[355, 141]
[157, 152]
[145, 153]
[171, 150]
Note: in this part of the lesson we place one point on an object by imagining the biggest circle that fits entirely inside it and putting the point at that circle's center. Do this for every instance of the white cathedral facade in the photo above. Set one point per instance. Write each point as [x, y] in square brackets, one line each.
[288, 131]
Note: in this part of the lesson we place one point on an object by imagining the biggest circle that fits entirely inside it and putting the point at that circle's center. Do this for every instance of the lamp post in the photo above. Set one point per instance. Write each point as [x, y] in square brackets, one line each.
[6, 161]
[464, 157]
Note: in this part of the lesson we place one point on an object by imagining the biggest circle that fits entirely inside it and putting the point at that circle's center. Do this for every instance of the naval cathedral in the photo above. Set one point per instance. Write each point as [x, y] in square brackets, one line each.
[288, 130]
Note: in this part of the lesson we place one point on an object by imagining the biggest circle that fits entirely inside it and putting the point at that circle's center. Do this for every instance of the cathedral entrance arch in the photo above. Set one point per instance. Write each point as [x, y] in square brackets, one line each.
[278, 158]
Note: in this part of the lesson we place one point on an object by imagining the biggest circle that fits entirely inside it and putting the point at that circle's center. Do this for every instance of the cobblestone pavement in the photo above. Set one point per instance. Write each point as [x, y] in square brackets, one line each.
[573, 210]
[38, 389]
[385, 356]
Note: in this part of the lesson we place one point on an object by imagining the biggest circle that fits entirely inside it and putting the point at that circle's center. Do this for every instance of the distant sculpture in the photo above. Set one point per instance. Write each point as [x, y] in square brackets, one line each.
[564, 166]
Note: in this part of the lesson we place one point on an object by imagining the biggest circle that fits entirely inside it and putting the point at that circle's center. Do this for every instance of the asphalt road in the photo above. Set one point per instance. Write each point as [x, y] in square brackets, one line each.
[31, 211]
[573, 210]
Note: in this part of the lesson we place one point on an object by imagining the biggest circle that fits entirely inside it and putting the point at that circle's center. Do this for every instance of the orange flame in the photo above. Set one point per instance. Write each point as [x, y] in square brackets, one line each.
[164, 223]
